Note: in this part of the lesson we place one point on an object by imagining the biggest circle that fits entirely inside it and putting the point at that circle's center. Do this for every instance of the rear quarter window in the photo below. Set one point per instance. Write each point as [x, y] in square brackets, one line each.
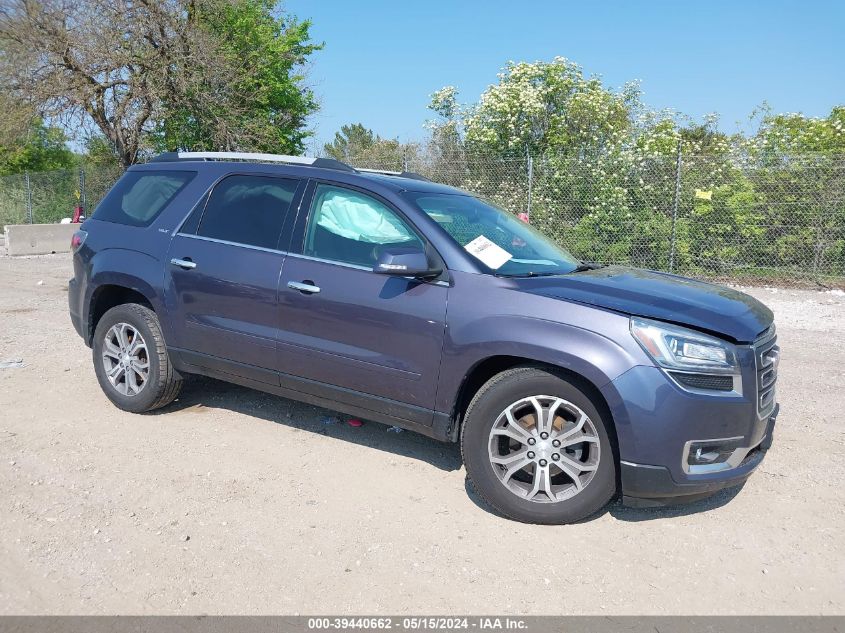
[140, 196]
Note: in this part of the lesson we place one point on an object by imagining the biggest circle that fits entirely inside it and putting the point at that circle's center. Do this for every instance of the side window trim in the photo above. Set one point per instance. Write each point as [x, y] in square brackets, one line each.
[334, 262]
[287, 225]
[202, 202]
[297, 241]
[229, 243]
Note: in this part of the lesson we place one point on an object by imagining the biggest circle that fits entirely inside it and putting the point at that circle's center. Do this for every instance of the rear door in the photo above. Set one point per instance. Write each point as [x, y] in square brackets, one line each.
[348, 328]
[223, 273]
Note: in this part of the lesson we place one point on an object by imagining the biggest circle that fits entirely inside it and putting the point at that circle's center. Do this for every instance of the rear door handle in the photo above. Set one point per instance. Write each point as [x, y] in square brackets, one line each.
[304, 286]
[187, 264]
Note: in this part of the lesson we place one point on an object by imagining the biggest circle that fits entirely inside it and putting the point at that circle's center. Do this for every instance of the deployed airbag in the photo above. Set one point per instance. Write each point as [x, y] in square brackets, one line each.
[358, 218]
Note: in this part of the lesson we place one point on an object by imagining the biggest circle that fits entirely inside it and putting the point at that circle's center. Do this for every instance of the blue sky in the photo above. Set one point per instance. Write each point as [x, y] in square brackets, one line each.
[383, 58]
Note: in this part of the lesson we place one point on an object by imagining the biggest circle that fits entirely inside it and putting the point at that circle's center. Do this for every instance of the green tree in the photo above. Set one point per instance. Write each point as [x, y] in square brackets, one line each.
[39, 148]
[779, 135]
[605, 174]
[799, 176]
[604, 165]
[168, 74]
[359, 146]
[541, 106]
[265, 105]
[99, 153]
[351, 141]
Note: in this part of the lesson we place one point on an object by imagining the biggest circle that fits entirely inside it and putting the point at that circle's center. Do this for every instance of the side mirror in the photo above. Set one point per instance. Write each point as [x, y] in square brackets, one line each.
[405, 262]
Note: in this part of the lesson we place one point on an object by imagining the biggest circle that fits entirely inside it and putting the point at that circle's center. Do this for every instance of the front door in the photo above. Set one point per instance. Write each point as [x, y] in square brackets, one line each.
[223, 274]
[344, 325]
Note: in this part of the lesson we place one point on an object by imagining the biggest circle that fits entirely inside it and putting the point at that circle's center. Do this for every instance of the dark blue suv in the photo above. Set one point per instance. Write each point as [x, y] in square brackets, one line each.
[415, 304]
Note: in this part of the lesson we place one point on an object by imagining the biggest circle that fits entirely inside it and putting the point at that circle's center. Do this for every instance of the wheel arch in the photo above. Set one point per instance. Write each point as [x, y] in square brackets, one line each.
[121, 276]
[487, 368]
[106, 297]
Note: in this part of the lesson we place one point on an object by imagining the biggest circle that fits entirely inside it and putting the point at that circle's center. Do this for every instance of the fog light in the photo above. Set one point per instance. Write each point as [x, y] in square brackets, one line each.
[711, 451]
[702, 457]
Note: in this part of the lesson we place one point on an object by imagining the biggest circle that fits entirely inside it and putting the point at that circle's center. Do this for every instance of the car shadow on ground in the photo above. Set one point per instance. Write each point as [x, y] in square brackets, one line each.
[631, 514]
[199, 394]
[635, 514]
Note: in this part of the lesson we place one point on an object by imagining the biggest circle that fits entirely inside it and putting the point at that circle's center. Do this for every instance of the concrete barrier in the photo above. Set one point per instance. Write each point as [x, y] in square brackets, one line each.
[38, 239]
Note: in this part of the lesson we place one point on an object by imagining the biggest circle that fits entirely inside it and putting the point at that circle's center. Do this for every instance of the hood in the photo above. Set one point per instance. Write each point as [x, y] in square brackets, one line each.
[704, 306]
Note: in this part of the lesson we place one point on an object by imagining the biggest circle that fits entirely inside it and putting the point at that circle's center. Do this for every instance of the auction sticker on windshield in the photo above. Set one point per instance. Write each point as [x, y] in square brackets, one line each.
[489, 253]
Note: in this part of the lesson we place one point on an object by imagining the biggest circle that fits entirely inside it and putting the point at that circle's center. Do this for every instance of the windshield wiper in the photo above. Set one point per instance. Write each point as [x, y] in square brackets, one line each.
[531, 274]
[585, 266]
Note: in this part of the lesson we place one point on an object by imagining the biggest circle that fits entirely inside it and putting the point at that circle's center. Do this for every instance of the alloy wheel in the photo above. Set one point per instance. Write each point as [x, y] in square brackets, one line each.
[544, 449]
[126, 359]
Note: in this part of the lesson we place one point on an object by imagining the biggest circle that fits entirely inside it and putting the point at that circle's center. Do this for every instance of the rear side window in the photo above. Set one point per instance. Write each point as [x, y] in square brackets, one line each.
[248, 210]
[140, 196]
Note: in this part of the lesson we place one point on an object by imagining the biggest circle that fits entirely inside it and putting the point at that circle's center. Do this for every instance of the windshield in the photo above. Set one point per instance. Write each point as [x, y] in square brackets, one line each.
[500, 241]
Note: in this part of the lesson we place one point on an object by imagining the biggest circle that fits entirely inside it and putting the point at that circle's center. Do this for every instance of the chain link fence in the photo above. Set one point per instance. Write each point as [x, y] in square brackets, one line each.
[778, 218]
[47, 197]
[727, 216]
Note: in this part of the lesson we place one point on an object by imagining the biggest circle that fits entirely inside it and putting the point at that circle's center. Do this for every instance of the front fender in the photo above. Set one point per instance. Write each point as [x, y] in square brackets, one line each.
[596, 357]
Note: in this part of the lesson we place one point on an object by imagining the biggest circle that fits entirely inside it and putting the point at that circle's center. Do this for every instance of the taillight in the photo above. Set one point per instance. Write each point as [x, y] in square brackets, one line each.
[77, 240]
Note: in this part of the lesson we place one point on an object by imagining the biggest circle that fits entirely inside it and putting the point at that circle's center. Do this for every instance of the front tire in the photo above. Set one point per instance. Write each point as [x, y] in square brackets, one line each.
[131, 361]
[537, 449]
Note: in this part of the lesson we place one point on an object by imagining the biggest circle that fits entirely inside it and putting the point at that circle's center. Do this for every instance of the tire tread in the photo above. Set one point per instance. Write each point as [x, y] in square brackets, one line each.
[168, 383]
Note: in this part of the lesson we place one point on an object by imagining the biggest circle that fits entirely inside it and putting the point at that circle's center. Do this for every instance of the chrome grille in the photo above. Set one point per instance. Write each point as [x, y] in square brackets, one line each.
[766, 358]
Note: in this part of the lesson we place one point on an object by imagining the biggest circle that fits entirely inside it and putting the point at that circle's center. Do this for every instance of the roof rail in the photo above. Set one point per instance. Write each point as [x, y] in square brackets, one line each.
[325, 163]
[402, 174]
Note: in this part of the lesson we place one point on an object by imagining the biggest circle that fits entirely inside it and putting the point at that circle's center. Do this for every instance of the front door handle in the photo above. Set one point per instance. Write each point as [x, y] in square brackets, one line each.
[306, 287]
[187, 264]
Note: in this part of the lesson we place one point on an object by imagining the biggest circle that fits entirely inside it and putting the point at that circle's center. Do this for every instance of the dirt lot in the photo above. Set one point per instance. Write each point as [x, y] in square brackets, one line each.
[231, 501]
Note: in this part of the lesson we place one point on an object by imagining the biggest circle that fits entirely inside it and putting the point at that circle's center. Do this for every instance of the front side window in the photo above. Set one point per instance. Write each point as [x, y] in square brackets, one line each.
[140, 196]
[351, 227]
[500, 241]
[248, 210]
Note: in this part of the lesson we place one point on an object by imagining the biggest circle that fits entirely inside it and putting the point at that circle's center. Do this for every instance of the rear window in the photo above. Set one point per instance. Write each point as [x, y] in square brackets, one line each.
[140, 196]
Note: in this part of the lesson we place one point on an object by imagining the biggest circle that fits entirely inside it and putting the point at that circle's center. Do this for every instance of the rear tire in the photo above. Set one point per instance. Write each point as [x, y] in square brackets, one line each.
[131, 360]
[537, 449]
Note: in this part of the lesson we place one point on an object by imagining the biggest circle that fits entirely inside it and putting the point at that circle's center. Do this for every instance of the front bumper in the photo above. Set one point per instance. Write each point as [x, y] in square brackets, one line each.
[647, 486]
[655, 422]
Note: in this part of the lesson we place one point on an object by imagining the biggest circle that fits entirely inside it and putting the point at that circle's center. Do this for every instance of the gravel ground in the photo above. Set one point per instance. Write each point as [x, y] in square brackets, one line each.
[232, 501]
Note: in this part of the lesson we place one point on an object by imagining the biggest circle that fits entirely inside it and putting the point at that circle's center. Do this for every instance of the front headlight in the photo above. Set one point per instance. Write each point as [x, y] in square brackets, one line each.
[680, 349]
